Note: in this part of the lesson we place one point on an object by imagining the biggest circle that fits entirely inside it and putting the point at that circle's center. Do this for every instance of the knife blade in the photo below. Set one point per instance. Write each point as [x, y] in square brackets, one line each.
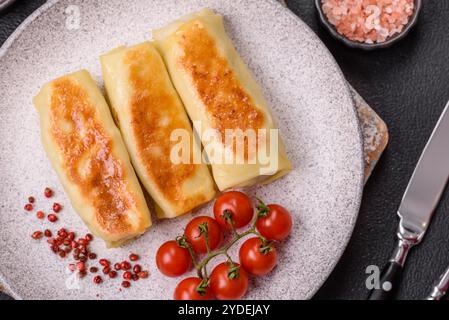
[418, 204]
[5, 3]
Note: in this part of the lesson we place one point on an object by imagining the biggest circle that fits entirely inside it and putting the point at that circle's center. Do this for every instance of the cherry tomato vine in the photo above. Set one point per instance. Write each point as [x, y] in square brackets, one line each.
[201, 236]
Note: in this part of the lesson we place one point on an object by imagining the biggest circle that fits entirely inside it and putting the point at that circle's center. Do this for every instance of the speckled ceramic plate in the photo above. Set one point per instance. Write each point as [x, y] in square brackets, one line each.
[302, 82]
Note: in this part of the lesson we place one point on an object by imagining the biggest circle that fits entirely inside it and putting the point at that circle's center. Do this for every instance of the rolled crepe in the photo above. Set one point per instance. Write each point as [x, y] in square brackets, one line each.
[89, 156]
[221, 98]
[149, 111]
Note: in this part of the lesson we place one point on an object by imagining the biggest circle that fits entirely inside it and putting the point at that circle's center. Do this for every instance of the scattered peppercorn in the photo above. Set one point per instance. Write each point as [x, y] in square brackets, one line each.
[48, 192]
[37, 235]
[133, 257]
[56, 207]
[125, 265]
[98, 280]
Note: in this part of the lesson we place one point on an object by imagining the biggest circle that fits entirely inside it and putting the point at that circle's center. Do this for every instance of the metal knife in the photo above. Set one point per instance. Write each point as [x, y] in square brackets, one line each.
[5, 3]
[418, 205]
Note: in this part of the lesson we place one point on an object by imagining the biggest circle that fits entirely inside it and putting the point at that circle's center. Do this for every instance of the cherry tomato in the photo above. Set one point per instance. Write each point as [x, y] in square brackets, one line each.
[196, 237]
[257, 258]
[173, 260]
[192, 289]
[228, 282]
[276, 224]
[238, 206]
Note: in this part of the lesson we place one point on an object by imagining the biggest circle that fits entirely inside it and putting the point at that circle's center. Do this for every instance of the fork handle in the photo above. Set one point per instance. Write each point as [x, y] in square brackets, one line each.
[440, 289]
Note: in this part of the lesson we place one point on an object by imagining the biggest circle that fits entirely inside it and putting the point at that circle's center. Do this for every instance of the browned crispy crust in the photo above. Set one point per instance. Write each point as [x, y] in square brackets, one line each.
[153, 119]
[216, 84]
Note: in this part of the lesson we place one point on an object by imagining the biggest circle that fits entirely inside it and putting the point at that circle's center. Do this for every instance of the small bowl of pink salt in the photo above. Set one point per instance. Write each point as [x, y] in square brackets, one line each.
[368, 24]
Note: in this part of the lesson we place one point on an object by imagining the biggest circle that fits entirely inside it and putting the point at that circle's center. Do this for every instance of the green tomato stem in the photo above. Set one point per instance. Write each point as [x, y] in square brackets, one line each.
[224, 250]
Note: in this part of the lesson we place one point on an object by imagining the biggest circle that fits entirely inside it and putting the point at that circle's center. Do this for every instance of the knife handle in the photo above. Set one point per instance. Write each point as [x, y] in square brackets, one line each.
[389, 282]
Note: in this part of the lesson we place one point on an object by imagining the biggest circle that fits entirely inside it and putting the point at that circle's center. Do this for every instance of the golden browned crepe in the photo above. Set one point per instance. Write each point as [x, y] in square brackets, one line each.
[219, 93]
[89, 156]
[148, 110]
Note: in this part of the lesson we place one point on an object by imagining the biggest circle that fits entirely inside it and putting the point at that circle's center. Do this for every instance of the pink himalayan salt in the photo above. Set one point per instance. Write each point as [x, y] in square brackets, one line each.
[368, 21]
